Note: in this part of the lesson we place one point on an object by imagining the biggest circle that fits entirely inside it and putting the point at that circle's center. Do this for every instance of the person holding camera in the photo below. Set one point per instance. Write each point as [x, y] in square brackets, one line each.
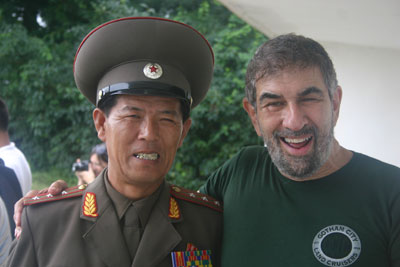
[98, 159]
[87, 171]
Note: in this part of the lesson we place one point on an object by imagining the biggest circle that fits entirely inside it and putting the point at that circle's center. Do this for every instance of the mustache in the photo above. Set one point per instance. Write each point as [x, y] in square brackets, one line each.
[308, 129]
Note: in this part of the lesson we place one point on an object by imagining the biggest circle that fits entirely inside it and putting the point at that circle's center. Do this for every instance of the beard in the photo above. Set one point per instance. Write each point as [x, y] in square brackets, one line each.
[300, 166]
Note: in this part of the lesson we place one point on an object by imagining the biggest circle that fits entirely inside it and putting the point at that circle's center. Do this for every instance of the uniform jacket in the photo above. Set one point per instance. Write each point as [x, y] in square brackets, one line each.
[57, 233]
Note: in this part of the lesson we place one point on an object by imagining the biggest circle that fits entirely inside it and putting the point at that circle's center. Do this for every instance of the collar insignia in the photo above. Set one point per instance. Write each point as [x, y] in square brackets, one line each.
[174, 211]
[90, 205]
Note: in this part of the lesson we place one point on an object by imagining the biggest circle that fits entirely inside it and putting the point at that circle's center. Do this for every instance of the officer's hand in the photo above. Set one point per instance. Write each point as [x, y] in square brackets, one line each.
[55, 189]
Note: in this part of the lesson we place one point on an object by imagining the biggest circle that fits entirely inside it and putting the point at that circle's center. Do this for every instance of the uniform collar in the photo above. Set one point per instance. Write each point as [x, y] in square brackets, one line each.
[143, 206]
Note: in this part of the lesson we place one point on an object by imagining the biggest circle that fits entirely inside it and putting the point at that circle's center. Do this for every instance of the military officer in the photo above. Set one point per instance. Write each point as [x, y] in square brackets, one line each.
[144, 75]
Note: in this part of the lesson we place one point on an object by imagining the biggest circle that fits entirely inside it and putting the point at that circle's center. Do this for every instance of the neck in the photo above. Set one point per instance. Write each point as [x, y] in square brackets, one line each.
[134, 191]
[4, 138]
[338, 158]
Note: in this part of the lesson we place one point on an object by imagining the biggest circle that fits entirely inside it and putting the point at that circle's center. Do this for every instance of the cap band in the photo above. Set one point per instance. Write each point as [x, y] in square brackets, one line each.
[144, 88]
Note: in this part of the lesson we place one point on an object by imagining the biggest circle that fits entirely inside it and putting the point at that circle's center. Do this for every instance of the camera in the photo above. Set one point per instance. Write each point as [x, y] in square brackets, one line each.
[80, 166]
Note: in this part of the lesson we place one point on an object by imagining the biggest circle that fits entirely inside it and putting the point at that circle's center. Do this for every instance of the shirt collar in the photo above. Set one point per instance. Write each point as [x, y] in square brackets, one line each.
[143, 206]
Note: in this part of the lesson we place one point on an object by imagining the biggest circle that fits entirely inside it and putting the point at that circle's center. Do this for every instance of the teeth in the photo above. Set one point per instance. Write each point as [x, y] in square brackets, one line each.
[296, 141]
[151, 156]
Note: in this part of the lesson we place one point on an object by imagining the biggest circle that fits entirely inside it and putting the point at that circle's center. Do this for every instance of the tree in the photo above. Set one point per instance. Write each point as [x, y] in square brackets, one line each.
[51, 120]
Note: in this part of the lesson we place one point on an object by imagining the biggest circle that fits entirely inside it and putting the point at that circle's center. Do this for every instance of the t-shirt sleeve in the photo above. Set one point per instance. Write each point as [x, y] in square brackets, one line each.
[213, 187]
[217, 183]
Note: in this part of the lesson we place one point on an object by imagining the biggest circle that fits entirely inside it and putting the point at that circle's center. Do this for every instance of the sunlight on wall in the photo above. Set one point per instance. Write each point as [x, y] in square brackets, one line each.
[369, 120]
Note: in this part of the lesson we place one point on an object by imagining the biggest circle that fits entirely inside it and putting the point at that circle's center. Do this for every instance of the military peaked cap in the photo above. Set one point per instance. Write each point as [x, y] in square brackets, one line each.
[144, 56]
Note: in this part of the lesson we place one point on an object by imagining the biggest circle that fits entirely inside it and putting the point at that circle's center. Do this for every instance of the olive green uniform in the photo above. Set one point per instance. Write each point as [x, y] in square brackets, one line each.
[58, 233]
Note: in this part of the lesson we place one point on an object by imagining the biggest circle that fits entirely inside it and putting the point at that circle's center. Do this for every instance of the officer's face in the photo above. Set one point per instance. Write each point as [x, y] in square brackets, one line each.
[295, 116]
[142, 134]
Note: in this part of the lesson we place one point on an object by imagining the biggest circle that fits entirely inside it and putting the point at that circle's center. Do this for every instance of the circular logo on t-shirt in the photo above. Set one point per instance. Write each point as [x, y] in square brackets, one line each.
[336, 245]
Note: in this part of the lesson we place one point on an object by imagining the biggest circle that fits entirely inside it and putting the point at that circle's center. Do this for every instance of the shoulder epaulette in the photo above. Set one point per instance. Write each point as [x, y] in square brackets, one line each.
[71, 192]
[196, 197]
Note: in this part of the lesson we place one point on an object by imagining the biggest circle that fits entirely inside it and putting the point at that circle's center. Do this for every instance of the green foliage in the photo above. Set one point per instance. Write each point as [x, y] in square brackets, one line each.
[43, 179]
[51, 121]
[220, 126]
[44, 105]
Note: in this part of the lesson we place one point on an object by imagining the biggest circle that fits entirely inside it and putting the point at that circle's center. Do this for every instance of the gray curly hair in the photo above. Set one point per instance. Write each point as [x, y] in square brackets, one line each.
[289, 50]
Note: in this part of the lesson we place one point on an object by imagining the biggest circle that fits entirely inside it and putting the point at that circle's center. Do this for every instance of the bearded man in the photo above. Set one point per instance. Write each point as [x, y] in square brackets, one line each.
[304, 200]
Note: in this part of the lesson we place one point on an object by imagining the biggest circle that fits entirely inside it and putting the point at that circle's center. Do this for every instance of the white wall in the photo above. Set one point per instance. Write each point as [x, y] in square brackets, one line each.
[369, 120]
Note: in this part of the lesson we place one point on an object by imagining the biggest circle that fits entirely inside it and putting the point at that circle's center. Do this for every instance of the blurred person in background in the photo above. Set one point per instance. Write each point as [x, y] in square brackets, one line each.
[10, 192]
[5, 235]
[12, 156]
[87, 171]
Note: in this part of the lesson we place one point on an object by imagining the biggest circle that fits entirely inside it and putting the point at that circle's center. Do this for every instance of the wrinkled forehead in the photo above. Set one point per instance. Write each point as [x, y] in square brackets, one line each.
[291, 80]
[273, 71]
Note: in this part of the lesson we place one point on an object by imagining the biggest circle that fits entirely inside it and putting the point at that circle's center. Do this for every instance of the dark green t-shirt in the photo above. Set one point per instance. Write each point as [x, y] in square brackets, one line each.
[351, 217]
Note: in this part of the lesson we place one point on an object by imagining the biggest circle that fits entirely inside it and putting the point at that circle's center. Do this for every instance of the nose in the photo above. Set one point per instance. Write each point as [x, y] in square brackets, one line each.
[294, 118]
[148, 130]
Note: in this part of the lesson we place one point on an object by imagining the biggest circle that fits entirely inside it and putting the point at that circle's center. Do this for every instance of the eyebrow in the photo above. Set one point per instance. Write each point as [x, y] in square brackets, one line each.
[167, 112]
[131, 108]
[306, 92]
[268, 95]
[311, 90]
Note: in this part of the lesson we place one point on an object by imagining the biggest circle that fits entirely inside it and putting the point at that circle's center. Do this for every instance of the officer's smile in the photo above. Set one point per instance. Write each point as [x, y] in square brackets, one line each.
[147, 156]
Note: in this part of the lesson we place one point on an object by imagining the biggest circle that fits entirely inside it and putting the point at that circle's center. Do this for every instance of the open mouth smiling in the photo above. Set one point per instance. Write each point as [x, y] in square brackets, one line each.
[147, 156]
[296, 142]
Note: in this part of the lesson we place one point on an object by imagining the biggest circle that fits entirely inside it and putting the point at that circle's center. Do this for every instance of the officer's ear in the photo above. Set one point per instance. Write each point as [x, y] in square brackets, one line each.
[185, 130]
[99, 119]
